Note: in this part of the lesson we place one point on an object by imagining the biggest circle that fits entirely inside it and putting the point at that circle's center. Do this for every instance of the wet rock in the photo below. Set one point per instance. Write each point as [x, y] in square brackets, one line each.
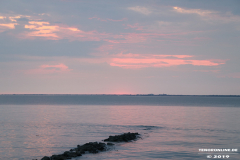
[78, 153]
[110, 144]
[58, 157]
[93, 147]
[45, 158]
[69, 154]
[126, 137]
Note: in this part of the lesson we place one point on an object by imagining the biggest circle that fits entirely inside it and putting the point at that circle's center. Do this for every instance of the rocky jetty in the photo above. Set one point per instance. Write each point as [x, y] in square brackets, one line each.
[126, 137]
[93, 147]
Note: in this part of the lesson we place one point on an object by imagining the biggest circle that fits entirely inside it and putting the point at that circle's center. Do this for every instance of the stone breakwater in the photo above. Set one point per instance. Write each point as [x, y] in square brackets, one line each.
[93, 147]
[126, 137]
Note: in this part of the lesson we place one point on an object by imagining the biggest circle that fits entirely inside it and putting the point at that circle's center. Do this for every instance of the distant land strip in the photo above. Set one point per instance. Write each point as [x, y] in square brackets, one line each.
[124, 95]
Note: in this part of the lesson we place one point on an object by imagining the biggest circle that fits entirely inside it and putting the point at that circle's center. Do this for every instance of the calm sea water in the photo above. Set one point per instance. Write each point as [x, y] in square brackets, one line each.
[172, 127]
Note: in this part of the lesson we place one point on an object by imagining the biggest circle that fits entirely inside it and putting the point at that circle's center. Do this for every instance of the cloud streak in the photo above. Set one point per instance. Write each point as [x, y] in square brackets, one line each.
[56, 32]
[49, 69]
[9, 25]
[150, 60]
[42, 29]
[193, 11]
[142, 10]
[227, 17]
[136, 61]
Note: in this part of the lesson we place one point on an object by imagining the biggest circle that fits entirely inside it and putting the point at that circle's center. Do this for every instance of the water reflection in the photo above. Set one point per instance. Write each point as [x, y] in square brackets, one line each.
[35, 131]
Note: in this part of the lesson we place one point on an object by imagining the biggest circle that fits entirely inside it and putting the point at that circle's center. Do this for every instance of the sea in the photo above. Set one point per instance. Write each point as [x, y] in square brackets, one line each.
[172, 127]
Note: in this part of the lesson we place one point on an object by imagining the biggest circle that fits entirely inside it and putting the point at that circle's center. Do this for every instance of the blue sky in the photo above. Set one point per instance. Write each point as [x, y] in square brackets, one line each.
[120, 47]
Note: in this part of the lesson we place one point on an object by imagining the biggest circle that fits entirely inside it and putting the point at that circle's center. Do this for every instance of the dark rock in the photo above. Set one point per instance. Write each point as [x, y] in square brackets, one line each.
[78, 153]
[67, 154]
[57, 157]
[110, 144]
[82, 152]
[45, 158]
[92, 147]
[126, 137]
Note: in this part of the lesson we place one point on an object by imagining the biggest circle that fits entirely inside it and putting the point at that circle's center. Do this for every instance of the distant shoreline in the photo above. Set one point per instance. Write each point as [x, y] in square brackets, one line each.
[123, 99]
[118, 95]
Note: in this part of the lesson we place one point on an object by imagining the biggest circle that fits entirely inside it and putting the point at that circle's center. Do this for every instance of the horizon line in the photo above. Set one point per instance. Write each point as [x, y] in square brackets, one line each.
[133, 94]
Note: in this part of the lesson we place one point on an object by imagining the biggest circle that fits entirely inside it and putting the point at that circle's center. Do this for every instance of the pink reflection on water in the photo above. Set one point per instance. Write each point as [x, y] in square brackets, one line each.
[36, 131]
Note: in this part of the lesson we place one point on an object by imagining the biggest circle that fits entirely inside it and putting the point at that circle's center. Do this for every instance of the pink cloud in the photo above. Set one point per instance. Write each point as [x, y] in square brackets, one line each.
[210, 15]
[73, 29]
[49, 69]
[56, 32]
[59, 67]
[44, 29]
[133, 61]
[149, 60]
[9, 25]
[9, 22]
[2, 17]
[193, 11]
[73, 33]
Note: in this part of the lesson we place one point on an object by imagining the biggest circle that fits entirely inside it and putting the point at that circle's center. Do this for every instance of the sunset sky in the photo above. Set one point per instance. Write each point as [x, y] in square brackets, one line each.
[120, 47]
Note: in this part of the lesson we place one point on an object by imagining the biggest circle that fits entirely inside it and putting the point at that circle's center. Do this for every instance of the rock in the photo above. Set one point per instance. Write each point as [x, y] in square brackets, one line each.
[110, 144]
[45, 158]
[126, 137]
[57, 157]
[92, 147]
[78, 153]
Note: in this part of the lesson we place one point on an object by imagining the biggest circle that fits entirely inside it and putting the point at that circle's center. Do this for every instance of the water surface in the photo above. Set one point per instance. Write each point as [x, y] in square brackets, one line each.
[168, 131]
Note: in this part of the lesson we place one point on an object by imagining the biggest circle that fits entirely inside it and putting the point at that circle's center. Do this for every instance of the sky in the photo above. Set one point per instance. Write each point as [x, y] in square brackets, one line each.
[189, 47]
